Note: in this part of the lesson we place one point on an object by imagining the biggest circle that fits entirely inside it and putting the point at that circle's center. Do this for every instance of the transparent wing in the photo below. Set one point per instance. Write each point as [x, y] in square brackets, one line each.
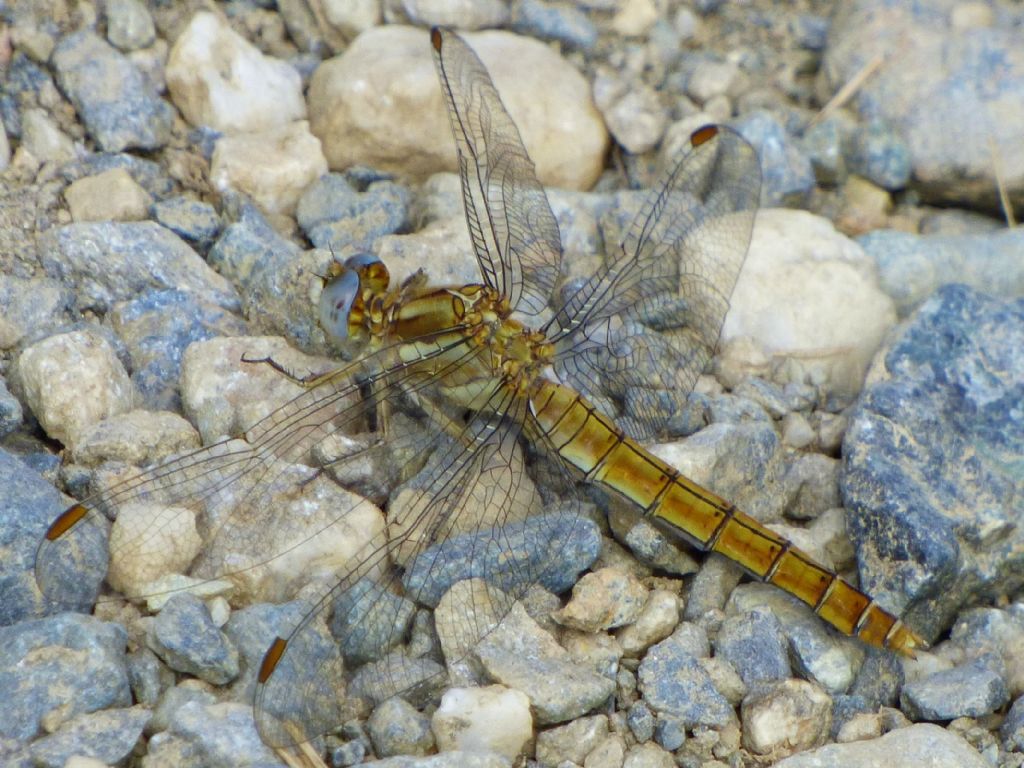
[514, 233]
[644, 327]
[468, 536]
[227, 498]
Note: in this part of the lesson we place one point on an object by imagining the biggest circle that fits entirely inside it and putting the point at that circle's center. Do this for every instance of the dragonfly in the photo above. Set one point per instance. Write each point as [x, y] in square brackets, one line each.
[456, 396]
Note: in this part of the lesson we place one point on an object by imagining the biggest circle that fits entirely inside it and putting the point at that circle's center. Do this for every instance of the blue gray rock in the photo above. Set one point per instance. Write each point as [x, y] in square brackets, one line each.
[670, 732]
[973, 689]
[30, 505]
[149, 175]
[417, 680]
[171, 701]
[110, 94]
[554, 21]
[880, 155]
[11, 412]
[24, 82]
[70, 662]
[823, 143]
[727, 408]
[640, 720]
[815, 651]
[846, 707]
[755, 645]
[337, 215]
[879, 679]
[252, 629]
[108, 736]
[33, 307]
[519, 654]
[185, 637]
[195, 222]
[942, 99]
[551, 550]
[148, 677]
[1012, 729]
[369, 620]
[787, 177]
[929, 482]
[911, 267]
[108, 261]
[398, 728]
[675, 685]
[809, 30]
[157, 327]
[219, 735]
[272, 275]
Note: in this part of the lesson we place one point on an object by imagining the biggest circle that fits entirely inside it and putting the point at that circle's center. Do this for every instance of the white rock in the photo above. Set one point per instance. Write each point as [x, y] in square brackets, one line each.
[464, 14]
[610, 753]
[298, 528]
[486, 605]
[137, 437]
[918, 746]
[41, 137]
[129, 25]
[605, 599]
[797, 432]
[785, 717]
[220, 611]
[218, 78]
[864, 725]
[149, 542]
[571, 743]
[223, 395]
[632, 110]
[165, 587]
[80, 761]
[659, 617]
[648, 755]
[73, 380]
[273, 167]
[350, 17]
[809, 297]
[711, 78]
[379, 104]
[492, 719]
[109, 196]
[635, 17]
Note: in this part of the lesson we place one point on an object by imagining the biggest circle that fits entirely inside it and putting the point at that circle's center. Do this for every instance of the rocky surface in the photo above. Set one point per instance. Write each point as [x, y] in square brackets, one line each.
[174, 185]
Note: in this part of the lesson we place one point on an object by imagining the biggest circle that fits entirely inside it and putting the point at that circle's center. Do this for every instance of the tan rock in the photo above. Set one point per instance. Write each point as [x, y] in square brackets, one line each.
[273, 167]
[109, 196]
[72, 381]
[809, 297]
[379, 104]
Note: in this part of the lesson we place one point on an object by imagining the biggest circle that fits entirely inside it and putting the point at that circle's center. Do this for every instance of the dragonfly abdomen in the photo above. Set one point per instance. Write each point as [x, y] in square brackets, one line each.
[597, 447]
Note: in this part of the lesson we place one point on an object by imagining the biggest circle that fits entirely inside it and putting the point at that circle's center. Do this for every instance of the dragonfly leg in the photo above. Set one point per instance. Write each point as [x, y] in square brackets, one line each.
[308, 381]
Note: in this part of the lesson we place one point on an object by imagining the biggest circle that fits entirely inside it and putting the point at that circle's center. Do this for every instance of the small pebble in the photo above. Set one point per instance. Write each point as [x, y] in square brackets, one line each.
[109, 196]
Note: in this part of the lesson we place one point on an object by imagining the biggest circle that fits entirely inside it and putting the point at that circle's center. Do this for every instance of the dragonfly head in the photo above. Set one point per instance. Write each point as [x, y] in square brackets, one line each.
[346, 301]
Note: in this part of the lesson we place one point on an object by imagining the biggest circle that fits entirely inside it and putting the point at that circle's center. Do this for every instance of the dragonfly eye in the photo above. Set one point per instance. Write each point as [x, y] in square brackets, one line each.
[336, 301]
[347, 290]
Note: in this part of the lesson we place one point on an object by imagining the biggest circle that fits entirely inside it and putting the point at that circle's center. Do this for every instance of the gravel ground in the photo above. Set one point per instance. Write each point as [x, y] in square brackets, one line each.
[176, 177]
